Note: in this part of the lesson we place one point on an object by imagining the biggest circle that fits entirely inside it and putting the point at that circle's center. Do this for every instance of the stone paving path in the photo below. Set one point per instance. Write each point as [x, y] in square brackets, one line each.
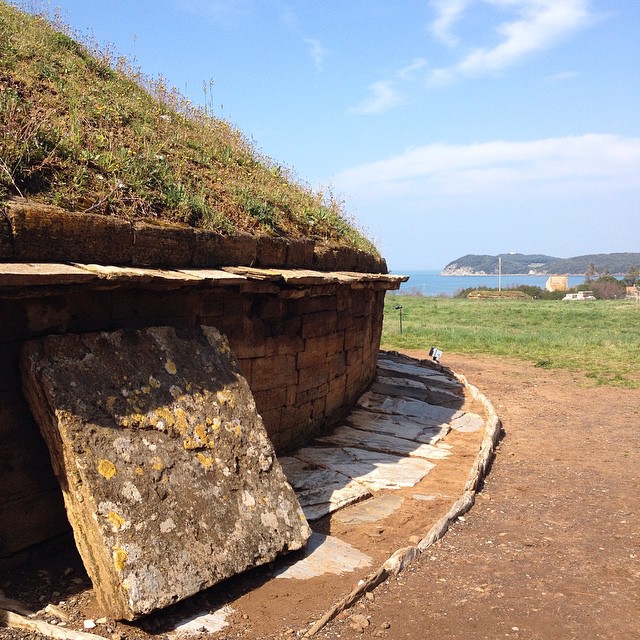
[359, 475]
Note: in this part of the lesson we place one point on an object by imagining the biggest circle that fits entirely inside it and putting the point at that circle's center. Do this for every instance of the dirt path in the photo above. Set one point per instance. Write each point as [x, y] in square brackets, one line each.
[552, 547]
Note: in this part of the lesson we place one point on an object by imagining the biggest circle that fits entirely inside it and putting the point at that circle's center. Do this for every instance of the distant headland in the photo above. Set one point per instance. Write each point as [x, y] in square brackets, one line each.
[539, 265]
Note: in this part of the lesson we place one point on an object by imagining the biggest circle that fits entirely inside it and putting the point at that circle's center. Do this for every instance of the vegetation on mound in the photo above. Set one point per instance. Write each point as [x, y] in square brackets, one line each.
[599, 338]
[87, 131]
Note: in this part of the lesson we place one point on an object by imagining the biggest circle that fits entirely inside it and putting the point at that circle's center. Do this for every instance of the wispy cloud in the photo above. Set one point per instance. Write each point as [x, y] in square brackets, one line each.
[591, 161]
[224, 11]
[563, 196]
[383, 95]
[448, 12]
[536, 26]
[563, 76]
[531, 26]
[317, 51]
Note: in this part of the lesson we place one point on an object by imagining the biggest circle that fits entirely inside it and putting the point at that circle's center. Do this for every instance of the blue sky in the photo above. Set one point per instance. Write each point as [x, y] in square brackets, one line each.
[447, 126]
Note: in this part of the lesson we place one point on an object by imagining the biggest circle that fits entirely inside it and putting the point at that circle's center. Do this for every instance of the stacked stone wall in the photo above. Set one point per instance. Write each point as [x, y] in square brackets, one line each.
[307, 353]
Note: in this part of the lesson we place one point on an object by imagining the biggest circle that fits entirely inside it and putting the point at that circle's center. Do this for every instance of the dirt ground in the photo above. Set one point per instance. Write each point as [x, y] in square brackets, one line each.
[550, 549]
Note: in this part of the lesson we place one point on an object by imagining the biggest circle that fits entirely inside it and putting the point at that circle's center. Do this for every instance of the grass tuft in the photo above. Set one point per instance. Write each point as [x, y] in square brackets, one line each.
[84, 129]
[599, 338]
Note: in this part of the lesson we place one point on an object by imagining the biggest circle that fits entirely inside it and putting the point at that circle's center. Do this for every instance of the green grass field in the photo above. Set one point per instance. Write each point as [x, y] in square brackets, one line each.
[599, 338]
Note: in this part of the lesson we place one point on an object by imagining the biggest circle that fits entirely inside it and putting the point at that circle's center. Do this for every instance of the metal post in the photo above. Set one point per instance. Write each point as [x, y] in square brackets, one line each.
[399, 308]
[499, 274]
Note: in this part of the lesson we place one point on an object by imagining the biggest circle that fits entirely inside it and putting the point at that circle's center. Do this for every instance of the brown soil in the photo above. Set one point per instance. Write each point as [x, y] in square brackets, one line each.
[550, 549]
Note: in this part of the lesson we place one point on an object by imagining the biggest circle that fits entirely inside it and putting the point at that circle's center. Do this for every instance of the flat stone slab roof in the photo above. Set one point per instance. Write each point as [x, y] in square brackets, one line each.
[14, 275]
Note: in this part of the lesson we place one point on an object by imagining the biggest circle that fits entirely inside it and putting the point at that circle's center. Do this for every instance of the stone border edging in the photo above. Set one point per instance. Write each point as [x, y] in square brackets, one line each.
[402, 558]
[35, 232]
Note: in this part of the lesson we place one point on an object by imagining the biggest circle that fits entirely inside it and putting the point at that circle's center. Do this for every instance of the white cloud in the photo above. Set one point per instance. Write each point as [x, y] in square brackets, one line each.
[220, 10]
[383, 96]
[561, 196]
[534, 25]
[591, 161]
[317, 51]
[448, 13]
[538, 25]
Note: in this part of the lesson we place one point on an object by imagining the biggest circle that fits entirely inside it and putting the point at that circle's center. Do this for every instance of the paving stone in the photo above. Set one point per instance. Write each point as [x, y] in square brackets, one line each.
[419, 371]
[394, 381]
[414, 428]
[468, 423]
[345, 436]
[170, 482]
[373, 510]
[322, 555]
[203, 622]
[373, 469]
[321, 491]
[407, 407]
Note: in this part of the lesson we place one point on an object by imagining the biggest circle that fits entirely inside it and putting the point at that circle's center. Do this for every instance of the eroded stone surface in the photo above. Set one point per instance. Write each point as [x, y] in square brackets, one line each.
[170, 481]
[373, 469]
[321, 491]
[325, 554]
[345, 436]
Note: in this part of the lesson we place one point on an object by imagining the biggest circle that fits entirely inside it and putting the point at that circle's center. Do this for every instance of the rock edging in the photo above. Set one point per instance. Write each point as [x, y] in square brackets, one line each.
[34, 232]
[402, 558]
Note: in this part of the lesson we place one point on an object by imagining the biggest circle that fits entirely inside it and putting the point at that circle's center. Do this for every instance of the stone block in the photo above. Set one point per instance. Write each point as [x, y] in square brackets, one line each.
[317, 324]
[271, 252]
[169, 479]
[30, 520]
[42, 233]
[311, 377]
[162, 245]
[300, 254]
[214, 250]
[273, 372]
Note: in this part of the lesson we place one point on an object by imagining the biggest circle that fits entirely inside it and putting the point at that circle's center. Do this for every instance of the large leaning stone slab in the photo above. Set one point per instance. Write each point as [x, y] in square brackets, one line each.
[170, 482]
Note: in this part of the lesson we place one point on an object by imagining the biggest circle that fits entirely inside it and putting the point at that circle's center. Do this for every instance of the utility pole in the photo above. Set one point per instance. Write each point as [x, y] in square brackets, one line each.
[499, 274]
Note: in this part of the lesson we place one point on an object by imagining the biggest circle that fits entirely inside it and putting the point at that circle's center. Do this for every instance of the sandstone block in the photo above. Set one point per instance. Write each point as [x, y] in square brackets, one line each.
[170, 482]
[42, 233]
[157, 244]
[213, 249]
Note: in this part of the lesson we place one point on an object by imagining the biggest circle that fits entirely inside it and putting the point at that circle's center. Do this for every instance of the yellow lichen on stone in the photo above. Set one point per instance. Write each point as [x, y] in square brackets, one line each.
[189, 443]
[170, 367]
[226, 397]
[200, 432]
[204, 460]
[139, 471]
[154, 383]
[116, 520]
[157, 464]
[181, 421]
[119, 558]
[106, 469]
[166, 416]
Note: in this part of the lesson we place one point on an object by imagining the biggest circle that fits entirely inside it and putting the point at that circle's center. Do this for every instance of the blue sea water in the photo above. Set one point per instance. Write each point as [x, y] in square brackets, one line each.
[431, 283]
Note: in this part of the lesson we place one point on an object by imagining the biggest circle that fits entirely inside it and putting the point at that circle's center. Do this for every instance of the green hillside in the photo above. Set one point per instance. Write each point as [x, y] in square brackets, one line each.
[518, 263]
[84, 130]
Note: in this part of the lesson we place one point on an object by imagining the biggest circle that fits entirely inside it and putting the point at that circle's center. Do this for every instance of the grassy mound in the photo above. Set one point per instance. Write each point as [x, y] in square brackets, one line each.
[88, 132]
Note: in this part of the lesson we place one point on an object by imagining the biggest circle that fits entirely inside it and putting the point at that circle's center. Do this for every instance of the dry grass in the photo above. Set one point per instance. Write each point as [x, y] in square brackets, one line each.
[85, 130]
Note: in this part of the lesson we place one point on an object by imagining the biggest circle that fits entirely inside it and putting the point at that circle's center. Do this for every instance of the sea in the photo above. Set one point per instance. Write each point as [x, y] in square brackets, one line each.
[431, 283]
